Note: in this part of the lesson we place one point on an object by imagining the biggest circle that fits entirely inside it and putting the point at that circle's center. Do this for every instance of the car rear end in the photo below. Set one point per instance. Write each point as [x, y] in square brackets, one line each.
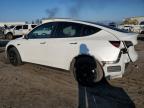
[127, 54]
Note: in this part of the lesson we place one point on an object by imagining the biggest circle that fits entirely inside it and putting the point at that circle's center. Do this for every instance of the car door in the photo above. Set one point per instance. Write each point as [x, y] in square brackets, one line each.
[18, 30]
[63, 46]
[25, 29]
[33, 47]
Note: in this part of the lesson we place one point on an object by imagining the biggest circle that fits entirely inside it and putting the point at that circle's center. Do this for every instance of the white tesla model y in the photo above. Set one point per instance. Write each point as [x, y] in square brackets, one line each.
[91, 51]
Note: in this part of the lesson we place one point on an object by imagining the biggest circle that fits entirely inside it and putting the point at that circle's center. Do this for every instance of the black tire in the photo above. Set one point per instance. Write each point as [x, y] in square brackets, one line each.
[87, 71]
[142, 32]
[9, 36]
[14, 56]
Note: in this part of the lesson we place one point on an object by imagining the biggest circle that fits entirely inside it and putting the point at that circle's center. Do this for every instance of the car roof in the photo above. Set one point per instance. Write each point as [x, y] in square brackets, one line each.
[69, 20]
[99, 25]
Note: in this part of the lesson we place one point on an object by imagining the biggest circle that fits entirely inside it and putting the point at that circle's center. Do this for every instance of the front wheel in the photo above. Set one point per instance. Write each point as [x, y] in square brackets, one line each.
[14, 57]
[87, 71]
[9, 36]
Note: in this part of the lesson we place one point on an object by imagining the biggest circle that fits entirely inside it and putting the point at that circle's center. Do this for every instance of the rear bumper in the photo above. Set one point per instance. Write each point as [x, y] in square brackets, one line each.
[117, 68]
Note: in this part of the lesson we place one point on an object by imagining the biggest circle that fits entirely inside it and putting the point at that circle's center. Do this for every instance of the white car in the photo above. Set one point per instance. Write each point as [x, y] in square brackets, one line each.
[92, 51]
[18, 30]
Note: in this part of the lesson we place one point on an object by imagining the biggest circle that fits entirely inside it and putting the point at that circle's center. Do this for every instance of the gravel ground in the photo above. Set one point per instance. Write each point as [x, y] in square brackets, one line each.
[33, 86]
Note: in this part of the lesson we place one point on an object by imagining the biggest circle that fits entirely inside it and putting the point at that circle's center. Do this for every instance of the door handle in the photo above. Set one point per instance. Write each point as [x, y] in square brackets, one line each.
[43, 43]
[73, 43]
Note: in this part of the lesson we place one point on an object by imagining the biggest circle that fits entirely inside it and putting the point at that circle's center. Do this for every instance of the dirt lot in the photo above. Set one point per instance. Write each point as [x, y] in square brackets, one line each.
[33, 86]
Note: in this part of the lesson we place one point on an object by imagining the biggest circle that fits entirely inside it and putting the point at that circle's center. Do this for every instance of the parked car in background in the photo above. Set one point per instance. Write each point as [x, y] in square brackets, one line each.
[18, 30]
[90, 50]
[142, 27]
[142, 32]
[141, 36]
[141, 23]
[112, 24]
[128, 28]
[1, 32]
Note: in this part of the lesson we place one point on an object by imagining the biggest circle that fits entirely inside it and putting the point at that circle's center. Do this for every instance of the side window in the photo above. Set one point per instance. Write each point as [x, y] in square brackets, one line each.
[89, 30]
[25, 26]
[18, 27]
[33, 26]
[68, 29]
[43, 31]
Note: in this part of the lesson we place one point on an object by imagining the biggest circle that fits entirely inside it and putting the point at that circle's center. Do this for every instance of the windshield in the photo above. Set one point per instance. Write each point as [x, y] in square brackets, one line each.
[11, 27]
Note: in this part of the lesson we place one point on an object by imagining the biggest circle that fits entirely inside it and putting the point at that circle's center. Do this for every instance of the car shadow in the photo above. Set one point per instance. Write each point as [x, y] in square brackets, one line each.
[83, 49]
[103, 95]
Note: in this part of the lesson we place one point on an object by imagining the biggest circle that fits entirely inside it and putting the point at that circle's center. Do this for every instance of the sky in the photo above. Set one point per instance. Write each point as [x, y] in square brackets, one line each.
[91, 10]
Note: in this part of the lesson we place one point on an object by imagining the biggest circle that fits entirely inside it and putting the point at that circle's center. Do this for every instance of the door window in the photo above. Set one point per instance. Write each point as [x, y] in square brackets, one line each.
[68, 29]
[25, 26]
[18, 27]
[33, 26]
[43, 31]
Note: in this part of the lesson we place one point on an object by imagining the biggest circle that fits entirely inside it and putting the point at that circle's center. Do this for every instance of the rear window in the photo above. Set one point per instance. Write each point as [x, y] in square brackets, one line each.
[89, 30]
[33, 26]
[18, 27]
[25, 26]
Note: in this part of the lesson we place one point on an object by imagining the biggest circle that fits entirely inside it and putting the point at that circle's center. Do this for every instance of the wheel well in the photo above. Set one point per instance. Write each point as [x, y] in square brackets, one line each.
[97, 64]
[88, 56]
[9, 47]
[19, 60]
[81, 56]
[9, 33]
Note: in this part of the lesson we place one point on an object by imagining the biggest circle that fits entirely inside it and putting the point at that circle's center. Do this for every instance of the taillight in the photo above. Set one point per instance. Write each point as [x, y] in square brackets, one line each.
[115, 43]
[128, 43]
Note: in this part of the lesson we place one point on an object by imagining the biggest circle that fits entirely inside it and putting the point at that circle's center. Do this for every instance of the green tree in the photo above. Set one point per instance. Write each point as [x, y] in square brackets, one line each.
[130, 21]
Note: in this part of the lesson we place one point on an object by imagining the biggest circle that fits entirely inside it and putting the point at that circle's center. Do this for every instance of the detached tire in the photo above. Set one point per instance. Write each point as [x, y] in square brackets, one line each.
[9, 36]
[14, 56]
[87, 71]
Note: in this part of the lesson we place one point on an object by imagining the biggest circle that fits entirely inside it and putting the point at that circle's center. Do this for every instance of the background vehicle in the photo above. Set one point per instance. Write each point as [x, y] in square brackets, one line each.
[19, 30]
[91, 51]
[1, 32]
[128, 28]
[112, 24]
